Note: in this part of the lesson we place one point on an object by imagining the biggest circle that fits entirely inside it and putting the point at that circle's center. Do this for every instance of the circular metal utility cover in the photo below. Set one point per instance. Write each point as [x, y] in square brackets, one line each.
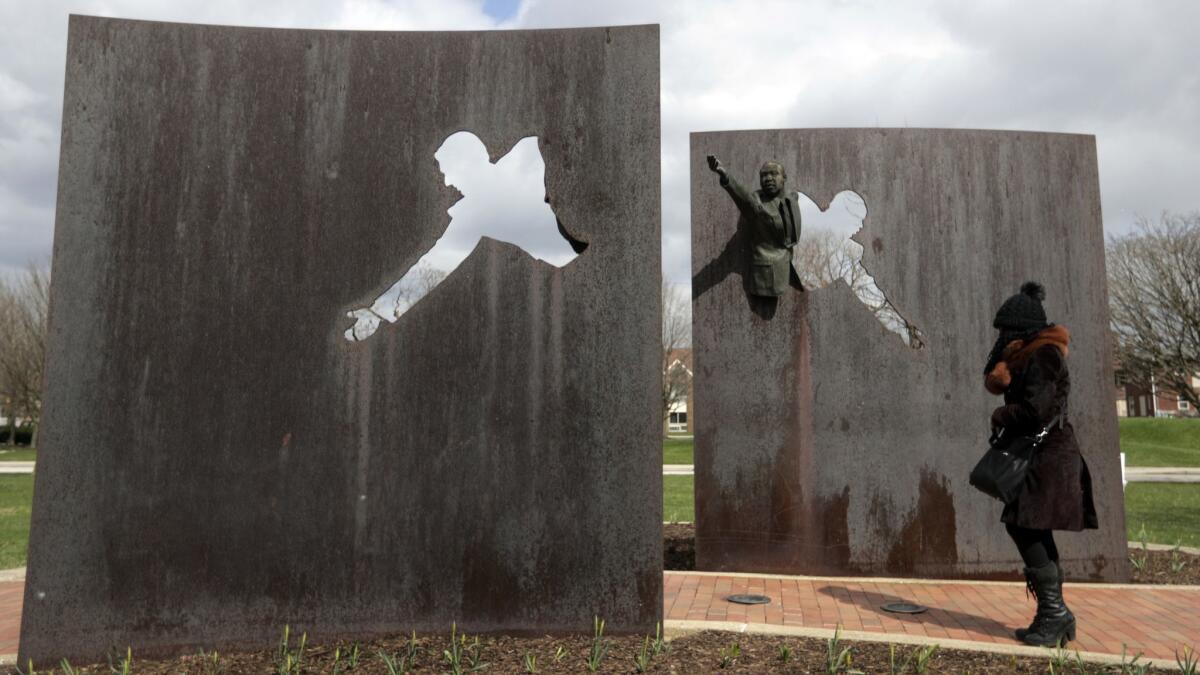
[903, 608]
[749, 599]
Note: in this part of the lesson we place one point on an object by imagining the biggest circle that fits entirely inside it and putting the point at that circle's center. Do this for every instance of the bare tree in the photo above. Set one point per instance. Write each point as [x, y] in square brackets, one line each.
[1154, 302]
[23, 306]
[822, 257]
[415, 284]
[425, 278]
[676, 335]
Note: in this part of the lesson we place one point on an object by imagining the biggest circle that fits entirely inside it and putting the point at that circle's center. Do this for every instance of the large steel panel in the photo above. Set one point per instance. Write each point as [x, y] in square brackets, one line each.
[216, 460]
[825, 445]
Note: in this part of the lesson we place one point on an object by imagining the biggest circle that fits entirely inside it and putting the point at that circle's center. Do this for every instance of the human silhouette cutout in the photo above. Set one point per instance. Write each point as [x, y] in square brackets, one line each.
[505, 201]
[839, 257]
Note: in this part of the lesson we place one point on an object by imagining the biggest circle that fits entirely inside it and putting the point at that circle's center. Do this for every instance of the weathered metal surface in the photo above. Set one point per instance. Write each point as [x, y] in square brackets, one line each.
[217, 460]
[824, 444]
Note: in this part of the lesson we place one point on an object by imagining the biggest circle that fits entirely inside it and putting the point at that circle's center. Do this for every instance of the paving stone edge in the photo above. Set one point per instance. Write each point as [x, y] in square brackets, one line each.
[676, 628]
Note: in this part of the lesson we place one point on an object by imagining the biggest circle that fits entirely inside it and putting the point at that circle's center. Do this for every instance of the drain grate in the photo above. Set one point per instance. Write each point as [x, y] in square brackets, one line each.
[749, 599]
[903, 608]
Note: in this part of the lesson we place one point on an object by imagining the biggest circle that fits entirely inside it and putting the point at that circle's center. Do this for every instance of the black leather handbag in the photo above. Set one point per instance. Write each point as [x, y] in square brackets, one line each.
[1001, 471]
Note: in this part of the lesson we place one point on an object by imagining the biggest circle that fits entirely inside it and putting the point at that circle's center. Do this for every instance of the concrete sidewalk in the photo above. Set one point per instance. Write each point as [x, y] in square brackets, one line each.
[1166, 474]
[16, 467]
[1132, 474]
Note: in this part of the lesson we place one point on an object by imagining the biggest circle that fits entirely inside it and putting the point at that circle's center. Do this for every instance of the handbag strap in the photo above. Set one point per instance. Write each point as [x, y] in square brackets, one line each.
[1059, 420]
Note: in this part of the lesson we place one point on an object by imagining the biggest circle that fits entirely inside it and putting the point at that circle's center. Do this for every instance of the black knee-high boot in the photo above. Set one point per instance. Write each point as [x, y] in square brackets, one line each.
[1043, 577]
[1053, 624]
[1022, 632]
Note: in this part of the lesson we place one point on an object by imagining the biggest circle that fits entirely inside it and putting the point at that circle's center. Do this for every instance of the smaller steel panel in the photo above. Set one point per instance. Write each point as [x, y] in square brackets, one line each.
[824, 444]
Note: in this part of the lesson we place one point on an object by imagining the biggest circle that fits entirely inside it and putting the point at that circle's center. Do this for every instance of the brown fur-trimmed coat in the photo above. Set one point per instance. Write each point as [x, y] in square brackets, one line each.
[1034, 380]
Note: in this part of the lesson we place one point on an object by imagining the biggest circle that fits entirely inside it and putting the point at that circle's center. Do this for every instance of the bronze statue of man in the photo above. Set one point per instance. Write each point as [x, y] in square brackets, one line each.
[773, 222]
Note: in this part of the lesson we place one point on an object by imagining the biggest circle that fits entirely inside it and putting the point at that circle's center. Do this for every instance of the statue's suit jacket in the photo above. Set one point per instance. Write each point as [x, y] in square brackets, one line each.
[773, 229]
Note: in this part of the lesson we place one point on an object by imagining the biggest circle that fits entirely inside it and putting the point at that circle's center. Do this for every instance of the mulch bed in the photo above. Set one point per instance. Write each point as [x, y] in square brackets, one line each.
[1160, 567]
[679, 547]
[706, 652]
[1165, 567]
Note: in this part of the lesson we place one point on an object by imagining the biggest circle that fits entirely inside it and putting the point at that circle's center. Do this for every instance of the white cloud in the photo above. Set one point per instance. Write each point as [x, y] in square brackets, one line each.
[15, 94]
[413, 15]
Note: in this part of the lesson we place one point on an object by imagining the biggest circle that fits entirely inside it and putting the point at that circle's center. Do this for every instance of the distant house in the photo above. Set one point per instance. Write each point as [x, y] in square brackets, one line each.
[679, 418]
[1134, 400]
[6, 409]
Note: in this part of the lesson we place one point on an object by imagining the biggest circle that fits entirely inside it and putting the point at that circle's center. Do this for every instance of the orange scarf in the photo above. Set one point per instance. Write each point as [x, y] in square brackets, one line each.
[1017, 353]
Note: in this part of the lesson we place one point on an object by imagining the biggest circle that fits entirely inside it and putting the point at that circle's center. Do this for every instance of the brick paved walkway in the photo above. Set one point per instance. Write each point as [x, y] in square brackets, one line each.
[12, 595]
[1156, 620]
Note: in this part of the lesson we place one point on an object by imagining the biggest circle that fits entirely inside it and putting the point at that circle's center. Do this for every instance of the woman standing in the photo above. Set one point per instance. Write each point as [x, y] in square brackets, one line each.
[1028, 366]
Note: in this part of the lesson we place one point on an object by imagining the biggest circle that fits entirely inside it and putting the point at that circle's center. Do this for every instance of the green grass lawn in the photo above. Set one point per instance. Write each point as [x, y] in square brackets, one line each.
[678, 505]
[677, 451]
[1169, 511]
[16, 498]
[18, 455]
[1147, 441]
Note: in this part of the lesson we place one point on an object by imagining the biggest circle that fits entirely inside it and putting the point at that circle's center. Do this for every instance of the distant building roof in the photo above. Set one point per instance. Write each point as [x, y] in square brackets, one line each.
[683, 356]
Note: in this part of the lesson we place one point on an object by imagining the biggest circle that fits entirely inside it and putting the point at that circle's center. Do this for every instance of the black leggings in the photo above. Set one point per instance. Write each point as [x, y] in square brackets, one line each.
[1036, 546]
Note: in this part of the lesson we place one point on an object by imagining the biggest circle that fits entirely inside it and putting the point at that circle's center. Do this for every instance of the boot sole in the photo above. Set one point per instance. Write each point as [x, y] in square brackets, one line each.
[1067, 635]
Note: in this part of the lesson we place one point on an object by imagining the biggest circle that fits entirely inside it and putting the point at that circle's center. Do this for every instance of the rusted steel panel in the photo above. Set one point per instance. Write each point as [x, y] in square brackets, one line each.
[217, 460]
[824, 444]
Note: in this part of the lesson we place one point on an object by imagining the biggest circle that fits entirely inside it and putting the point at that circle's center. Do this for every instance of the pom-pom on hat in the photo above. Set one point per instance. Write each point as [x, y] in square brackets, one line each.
[1023, 311]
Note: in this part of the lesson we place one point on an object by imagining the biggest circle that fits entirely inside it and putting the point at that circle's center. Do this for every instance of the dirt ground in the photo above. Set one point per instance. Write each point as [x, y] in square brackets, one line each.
[1165, 567]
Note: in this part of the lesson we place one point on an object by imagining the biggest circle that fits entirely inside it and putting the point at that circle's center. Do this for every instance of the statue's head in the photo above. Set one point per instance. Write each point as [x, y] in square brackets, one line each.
[772, 178]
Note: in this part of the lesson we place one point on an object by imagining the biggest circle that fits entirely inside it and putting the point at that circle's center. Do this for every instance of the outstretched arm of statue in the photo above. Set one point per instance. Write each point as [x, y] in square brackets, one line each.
[741, 197]
[715, 165]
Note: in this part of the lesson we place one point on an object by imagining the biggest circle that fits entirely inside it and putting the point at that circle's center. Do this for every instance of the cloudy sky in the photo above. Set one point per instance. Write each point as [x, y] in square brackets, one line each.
[1124, 71]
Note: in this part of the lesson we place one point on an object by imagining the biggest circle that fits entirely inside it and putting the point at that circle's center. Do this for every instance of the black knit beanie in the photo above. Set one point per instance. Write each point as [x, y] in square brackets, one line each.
[1023, 311]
